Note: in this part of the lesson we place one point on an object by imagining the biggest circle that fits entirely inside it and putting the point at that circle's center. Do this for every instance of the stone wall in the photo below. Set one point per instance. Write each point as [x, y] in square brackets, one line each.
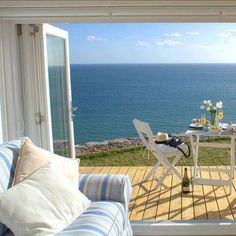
[115, 144]
[95, 147]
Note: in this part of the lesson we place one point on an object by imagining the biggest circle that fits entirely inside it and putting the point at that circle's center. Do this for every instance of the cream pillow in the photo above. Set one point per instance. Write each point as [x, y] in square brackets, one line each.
[43, 204]
[31, 158]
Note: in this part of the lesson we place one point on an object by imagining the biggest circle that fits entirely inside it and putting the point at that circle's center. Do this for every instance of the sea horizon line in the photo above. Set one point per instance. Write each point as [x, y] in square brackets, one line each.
[161, 63]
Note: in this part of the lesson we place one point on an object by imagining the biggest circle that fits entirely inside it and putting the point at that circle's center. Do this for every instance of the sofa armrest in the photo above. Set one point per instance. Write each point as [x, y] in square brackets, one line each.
[105, 187]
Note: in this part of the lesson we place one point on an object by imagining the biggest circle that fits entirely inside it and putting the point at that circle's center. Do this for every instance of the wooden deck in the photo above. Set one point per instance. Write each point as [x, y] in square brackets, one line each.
[168, 203]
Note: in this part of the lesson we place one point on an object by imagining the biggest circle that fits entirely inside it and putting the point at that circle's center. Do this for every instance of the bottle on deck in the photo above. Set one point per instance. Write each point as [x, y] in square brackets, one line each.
[185, 182]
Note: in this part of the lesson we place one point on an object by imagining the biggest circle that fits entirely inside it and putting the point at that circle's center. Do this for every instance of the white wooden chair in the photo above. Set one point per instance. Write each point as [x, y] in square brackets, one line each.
[148, 153]
[162, 153]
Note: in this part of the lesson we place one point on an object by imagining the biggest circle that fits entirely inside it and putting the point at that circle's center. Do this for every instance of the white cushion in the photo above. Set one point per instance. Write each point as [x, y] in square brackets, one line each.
[43, 204]
[31, 158]
[166, 149]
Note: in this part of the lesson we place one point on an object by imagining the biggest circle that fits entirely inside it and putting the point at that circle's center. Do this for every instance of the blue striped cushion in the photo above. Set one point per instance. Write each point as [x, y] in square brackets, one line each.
[99, 187]
[100, 219]
[8, 156]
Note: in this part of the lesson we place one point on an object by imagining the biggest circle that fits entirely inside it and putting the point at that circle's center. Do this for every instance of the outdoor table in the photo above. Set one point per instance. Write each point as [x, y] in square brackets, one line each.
[195, 144]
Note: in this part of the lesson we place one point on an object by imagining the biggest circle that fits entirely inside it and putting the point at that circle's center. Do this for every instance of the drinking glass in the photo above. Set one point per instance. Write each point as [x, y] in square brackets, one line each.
[220, 115]
[203, 119]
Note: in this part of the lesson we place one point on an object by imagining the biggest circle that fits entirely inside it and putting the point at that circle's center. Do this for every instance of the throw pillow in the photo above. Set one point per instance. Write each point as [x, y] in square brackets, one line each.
[31, 158]
[43, 204]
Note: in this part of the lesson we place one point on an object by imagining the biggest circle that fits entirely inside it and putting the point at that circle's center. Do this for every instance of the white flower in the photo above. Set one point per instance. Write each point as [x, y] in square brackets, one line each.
[214, 108]
[208, 102]
[219, 104]
[202, 107]
[204, 102]
[208, 108]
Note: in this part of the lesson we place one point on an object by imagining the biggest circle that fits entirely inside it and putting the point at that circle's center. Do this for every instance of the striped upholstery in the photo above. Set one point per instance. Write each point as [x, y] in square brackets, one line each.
[105, 187]
[100, 219]
[99, 187]
[108, 213]
[8, 157]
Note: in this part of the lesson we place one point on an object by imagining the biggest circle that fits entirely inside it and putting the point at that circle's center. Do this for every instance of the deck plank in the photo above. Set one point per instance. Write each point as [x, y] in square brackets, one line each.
[114, 170]
[200, 211]
[123, 170]
[175, 201]
[96, 170]
[205, 203]
[105, 170]
[143, 195]
[137, 182]
[234, 180]
[133, 172]
[187, 200]
[210, 198]
[230, 198]
[85, 169]
[153, 198]
[164, 200]
[221, 199]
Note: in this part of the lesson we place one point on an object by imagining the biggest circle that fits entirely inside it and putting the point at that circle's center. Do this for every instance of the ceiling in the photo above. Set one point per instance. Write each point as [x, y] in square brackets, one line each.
[119, 11]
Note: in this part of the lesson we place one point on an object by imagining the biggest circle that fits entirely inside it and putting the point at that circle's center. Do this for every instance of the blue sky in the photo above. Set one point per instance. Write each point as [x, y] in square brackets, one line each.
[152, 43]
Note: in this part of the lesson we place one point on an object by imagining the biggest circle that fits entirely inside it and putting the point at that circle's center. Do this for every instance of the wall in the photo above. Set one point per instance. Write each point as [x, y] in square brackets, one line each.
[1, 138]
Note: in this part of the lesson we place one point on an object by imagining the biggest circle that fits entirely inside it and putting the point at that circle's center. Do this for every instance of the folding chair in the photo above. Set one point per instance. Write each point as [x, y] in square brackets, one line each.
[148, 153]
[162, 153]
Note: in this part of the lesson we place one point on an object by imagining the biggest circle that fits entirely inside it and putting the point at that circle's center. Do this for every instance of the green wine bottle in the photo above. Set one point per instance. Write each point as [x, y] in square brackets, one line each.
[185, 182]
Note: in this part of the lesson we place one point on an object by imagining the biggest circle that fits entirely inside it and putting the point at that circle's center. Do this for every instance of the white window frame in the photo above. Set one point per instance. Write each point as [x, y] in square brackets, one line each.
[35, 83]
[132, 11]
[47, 29]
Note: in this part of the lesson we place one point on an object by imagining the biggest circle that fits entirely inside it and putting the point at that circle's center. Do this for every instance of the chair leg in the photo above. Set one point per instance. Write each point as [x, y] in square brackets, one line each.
[168, 168]
[162, 178]
[153, 170]
[144, 152]
[193, 184]
[176, 173]
[174, 169]
[148, 153]
[171, 166]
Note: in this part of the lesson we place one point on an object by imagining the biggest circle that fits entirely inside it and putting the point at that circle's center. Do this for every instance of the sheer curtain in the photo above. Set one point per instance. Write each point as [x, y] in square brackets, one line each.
[10, 83]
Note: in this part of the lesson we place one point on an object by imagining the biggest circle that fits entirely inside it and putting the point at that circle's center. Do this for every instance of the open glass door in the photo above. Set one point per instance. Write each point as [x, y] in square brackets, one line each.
[57, 70]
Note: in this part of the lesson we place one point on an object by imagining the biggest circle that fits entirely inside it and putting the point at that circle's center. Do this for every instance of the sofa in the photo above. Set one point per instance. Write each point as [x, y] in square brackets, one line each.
[109, 195]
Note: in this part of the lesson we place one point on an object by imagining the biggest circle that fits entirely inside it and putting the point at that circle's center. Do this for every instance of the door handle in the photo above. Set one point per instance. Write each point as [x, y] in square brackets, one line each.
[39, 118]
[73, 109]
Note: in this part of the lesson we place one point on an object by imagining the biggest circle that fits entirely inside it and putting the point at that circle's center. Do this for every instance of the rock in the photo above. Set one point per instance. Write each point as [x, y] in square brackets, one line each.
[114, 144]
[89, 144]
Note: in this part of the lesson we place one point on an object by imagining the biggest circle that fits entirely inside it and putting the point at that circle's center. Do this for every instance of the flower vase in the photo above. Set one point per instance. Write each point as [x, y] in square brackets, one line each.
[213, 119]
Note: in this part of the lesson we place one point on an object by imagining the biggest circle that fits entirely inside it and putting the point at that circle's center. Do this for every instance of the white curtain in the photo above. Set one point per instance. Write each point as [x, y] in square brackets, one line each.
[12, 121]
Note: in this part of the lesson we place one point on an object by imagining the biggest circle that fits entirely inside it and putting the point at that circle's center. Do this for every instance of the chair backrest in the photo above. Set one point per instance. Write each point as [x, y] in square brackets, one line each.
[145, 133]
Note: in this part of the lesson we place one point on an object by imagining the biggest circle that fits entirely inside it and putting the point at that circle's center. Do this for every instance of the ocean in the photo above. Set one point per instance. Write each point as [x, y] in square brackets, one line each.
[167, 96]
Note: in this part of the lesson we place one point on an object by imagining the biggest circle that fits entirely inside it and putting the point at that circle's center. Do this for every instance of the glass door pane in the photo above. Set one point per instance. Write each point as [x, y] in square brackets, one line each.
[60, 110]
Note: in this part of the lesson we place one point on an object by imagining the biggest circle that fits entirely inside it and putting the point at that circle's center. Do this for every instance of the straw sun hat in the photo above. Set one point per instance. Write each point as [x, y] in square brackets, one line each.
[161, 137]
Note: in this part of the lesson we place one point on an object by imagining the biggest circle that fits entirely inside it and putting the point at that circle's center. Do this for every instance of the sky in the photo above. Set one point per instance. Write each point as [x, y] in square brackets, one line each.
[97, 43]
